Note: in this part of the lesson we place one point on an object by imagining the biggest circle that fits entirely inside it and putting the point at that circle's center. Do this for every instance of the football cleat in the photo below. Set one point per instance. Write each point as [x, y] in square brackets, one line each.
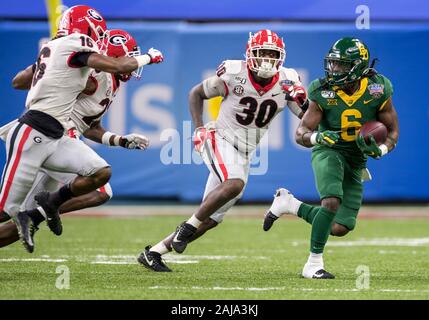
[183, 235]
[152, 261]
[316, 271]
[24, 225]
[269, 220]
[284, 203]
[51, 211]
[33, 230]
[323, 274]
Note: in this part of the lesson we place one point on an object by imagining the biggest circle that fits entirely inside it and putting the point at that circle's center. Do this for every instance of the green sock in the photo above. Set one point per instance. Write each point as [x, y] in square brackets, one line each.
[308, 212]
[321, 229]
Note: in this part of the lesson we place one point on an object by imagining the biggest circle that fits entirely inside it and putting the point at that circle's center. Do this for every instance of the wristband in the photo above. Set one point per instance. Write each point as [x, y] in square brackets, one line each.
[305, 105]
[143, 60]
[384, 149]
[313, 137]
[105, 139]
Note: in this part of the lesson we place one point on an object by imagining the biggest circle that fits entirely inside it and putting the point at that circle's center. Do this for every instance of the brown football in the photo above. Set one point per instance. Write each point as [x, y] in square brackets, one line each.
[376, 129]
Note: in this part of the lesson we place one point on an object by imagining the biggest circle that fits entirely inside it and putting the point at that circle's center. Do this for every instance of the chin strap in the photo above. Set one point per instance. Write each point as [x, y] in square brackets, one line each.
[373, 63]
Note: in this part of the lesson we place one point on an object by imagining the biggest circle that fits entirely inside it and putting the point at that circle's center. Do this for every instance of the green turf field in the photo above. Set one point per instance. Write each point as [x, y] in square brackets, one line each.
[237, 260]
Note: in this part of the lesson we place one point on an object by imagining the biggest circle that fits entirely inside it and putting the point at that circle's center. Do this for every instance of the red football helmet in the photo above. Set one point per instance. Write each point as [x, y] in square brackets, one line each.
[266, 64]
[120, 43]
[85, 20]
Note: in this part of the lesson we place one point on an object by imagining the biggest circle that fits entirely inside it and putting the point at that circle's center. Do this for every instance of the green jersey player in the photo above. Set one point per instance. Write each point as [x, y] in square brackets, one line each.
[351, 94]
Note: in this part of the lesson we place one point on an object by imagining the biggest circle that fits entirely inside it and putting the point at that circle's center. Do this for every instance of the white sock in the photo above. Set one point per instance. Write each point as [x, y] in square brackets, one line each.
[295, 206]
[160, 248]
[315, 258]
[193, 221]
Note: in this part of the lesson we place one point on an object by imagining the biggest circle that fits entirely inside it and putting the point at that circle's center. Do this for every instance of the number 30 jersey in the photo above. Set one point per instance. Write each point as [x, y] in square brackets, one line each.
[56, 81]
[247, 108]
[90, 108]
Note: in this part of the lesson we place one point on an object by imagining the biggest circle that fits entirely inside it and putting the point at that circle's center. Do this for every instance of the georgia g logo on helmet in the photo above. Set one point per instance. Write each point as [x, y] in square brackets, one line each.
[94, 15]
[118, 40]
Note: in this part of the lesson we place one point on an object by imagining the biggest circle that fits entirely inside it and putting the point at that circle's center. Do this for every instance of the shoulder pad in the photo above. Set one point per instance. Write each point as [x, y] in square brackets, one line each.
[80, 42]
[318, 84]
[230, 67]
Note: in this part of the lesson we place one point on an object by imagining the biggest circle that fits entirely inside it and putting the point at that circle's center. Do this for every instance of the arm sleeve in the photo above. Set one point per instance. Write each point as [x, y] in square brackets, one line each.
[214, 87]
[79, 47]
[80, 59]
[294, 108]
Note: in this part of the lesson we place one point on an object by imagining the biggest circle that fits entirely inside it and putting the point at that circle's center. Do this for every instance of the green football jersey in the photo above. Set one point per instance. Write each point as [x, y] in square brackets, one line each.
[346, 114]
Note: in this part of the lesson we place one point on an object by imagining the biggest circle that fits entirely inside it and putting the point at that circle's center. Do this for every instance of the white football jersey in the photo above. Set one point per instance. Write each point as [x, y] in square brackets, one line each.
[90, 108]
[247, 108]
[56, 82]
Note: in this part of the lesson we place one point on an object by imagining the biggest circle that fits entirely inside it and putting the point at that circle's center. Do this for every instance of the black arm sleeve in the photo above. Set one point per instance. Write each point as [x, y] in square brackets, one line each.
[80, 59]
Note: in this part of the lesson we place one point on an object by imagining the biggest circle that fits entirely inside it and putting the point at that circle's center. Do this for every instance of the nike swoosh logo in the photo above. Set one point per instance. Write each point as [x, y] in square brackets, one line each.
[276, 94]
[149, 262]
[175, 238]
[367, 101]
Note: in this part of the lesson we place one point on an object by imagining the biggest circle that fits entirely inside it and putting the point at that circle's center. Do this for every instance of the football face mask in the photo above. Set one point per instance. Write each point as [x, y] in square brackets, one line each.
[121, 44]
[265, 53]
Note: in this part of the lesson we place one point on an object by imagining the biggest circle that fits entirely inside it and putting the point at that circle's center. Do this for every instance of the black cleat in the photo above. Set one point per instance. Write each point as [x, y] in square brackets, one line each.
[323, 274]
[269, 220]
[25, 226]
[183, 235]
[152, 261]
[52, 213]
[33, 230]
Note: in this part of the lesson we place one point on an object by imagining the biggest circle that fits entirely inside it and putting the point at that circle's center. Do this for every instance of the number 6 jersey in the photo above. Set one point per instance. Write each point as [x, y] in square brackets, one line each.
[247, 108]
[57, 81]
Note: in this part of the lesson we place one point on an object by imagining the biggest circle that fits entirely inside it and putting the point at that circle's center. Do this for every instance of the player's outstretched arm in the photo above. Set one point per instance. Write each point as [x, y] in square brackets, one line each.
[130, 141]
[388, 116]
[123, 65]
[22, 80]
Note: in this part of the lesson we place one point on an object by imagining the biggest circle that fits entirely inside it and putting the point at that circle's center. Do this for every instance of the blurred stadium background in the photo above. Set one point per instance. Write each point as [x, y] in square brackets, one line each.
[195, 38]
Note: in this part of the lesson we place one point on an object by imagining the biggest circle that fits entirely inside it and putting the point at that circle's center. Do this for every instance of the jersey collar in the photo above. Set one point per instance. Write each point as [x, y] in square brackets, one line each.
[350, 100]
[260, 89]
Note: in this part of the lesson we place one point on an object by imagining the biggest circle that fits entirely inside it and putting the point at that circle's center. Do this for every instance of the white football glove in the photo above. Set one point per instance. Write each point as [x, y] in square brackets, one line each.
[135, 141]
[155, 56]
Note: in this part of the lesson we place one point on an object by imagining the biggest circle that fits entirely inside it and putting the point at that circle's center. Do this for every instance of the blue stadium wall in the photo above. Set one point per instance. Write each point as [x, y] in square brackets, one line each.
[157, 105]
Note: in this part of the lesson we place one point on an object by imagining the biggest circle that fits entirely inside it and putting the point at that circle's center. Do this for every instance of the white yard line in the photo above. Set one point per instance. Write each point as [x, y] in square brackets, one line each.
[31, 260]
[387, 242]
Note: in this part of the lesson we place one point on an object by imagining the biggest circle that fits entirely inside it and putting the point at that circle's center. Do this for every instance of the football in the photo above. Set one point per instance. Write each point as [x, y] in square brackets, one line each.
[374, 128]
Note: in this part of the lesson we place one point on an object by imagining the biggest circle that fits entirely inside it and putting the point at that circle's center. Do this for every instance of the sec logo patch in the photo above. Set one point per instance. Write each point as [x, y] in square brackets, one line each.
[238, 90]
